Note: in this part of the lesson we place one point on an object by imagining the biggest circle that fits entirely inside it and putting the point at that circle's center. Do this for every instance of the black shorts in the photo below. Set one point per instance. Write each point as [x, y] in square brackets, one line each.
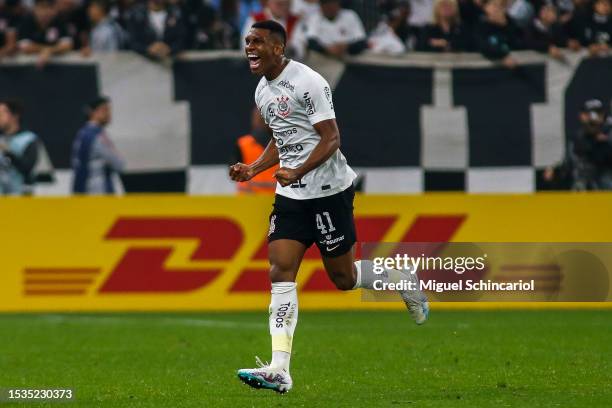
[326, 221]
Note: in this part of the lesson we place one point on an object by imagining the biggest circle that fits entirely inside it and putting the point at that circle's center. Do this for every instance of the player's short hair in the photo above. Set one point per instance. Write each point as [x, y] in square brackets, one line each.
[275, 29]
[14, 106]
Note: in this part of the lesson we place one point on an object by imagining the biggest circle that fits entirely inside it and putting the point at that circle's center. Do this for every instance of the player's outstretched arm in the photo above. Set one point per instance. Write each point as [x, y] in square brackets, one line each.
[329, 143]
[244, 172]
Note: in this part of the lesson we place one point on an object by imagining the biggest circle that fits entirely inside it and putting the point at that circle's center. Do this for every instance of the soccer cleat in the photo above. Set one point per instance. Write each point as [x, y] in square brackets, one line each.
[416, 302]
[264, 376]
[418, 308]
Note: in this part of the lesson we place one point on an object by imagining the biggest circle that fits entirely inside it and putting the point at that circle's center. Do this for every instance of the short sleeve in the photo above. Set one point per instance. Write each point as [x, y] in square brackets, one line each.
[316, 98]
[258, 103]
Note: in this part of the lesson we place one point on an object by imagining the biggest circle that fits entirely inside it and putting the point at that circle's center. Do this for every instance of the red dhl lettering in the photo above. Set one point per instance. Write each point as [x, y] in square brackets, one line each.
[143, 269]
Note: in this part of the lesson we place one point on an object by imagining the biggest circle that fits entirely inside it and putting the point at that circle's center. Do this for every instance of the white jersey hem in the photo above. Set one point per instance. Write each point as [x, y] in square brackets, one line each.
[326, 193]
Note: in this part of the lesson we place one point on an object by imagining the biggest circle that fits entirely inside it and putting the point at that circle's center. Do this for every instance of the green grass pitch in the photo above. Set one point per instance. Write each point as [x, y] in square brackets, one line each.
[341, 359]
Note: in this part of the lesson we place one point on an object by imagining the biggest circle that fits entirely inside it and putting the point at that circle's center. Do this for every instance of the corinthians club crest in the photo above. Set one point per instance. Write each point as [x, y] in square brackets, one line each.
[283, 106]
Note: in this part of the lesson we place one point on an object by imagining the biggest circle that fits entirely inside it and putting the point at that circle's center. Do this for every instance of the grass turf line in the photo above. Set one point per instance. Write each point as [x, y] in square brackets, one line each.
[457, 359]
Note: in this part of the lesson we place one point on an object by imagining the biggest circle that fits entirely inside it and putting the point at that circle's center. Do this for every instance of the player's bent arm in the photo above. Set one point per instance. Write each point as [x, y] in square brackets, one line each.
[329, 143]
[268, 158]
[244, 172]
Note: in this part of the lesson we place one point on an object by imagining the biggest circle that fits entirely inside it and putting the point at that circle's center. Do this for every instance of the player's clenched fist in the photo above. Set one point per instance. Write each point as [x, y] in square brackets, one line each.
[240, 172]
[286, 176]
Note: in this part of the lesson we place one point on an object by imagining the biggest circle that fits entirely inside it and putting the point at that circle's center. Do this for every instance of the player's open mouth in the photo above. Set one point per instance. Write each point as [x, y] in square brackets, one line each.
[254, 61]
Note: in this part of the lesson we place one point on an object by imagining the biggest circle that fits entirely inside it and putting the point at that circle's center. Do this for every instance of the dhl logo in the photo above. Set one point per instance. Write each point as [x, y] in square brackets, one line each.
[143, 269]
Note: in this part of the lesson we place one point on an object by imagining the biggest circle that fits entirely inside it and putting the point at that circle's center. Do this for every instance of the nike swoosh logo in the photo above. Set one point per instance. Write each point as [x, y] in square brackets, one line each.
[332, 248]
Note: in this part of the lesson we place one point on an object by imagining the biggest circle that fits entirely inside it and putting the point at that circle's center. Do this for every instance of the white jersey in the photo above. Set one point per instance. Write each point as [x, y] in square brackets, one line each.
[291, 104]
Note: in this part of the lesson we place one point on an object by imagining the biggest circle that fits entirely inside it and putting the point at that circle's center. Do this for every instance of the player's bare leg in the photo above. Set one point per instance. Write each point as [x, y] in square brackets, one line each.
[285, 257]
[341, 270]
[346, 273]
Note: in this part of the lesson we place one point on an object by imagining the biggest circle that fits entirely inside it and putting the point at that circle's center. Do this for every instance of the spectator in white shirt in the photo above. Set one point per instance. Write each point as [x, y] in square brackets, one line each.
[336, 31]
[393, 35]
[305, 9]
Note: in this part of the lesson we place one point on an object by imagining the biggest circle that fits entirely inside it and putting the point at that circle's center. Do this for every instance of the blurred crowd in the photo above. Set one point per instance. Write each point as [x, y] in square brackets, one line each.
[160, 29]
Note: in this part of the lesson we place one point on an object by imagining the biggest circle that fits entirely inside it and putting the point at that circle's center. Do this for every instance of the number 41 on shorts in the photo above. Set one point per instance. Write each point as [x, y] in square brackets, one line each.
[321, 224]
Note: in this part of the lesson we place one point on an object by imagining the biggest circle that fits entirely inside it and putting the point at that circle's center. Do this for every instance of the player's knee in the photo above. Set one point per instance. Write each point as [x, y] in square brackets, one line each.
[343, 282]
[282, 273]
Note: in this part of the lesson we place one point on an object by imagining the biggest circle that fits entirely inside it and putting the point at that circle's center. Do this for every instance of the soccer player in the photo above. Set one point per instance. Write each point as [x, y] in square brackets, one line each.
[314, 194]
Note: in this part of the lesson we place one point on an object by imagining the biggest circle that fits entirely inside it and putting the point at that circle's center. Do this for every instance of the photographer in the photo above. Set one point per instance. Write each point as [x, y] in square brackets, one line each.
[592, 149]
[18, 151]
[588, 160]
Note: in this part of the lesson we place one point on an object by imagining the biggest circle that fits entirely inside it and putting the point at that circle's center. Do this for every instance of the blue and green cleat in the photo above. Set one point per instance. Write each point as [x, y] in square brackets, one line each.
[266, 377]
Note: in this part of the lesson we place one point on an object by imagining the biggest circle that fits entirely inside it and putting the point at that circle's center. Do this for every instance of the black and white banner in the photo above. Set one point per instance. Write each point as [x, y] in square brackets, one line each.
[422, 122]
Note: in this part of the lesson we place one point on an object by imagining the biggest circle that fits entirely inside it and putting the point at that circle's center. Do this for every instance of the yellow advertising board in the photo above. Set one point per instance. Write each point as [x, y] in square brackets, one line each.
[167, 252]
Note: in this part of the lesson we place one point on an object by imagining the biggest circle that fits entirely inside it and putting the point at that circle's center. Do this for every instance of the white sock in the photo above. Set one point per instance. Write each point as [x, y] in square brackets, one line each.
[281, 359]
[283, 319]
[365, 278]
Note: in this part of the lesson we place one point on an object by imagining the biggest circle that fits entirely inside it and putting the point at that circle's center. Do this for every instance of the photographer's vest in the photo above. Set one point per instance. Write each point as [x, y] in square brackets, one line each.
[11, 180]
[264, 182]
